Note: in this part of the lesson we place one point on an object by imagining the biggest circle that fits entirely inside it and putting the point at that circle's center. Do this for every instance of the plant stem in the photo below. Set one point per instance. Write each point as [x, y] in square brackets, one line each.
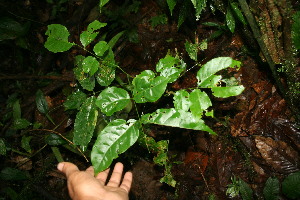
[57, 154]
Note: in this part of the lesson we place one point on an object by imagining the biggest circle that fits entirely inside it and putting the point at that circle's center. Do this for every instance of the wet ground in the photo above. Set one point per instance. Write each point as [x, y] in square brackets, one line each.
[257, 134]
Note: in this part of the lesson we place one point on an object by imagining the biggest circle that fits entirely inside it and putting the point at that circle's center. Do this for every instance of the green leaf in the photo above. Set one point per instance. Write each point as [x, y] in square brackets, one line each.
[75, 100]
[2, 147]
[86, 37]
[25, 143]
[100, 48]
[230, 21]
[55, 140]
[192, 50]
[271, 189]
[181, 100]
[21, 123]
[238, 12]
[147, 87]
[206, 77]
[245, 191]
[113, 140]
[86, 81]
[16, 110]
[199, 6]
[171, 5]
[114, 40]
[296, 30]
[41, 102]
[57, 40]
[102, 3]
[183, 13]
[11, 29]
[90, 65]
[199, 102]
[170, 67]
[85, 122]
[112, 99]
[158, 20]
[291, 186]
[224, 92]
[106, 74]
[176, 118]
[12, 174]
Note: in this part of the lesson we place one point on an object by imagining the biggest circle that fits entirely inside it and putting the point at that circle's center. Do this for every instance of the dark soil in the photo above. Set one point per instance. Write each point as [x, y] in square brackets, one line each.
[257, 134]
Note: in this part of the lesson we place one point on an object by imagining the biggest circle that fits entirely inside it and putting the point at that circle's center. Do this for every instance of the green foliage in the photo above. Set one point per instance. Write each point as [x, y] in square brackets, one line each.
[112, 99]
[11, 29]
[98, 111]
[171, 5]
[271, 189]
[114, 139]
[2, 147]
[296, 30]
[102, 3]
[148, 87]
[85, 123]
[291, 186]
[57, 40]
[239, 186]
[158, 20]
[12, 174]
[199, 6]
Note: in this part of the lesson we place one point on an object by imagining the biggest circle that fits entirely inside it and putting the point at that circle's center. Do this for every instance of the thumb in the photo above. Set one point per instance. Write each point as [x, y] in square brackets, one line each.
[67, 168]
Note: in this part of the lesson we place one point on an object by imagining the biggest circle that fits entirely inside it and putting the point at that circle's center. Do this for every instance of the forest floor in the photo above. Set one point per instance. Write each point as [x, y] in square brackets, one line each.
[257, 137]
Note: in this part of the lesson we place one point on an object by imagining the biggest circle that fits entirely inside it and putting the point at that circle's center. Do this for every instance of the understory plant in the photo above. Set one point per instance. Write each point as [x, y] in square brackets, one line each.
[98, 108]
[272, 189]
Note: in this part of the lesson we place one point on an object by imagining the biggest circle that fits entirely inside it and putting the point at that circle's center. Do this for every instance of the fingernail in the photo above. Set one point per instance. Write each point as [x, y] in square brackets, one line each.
[60, 166]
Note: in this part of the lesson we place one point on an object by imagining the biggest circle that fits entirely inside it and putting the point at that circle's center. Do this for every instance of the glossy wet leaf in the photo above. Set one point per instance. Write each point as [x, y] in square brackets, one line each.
[170, 67]
[224, 92]
[147, 87]
[41, 102]
[25, 143]
[171, 5]
[86, 37]
[206, 75]
[199, 102]
[57, 40]
[115, 39]
[86, 81]
[2, 147]
[100, 48]
[113, 140]
[181, 100]
[271, 189]
[238, 12]
[21, 123]
[85, 122]
[75, 100]
[90, 65]
[176, 118]
[291, 186]
[112, 99]
[230, 21]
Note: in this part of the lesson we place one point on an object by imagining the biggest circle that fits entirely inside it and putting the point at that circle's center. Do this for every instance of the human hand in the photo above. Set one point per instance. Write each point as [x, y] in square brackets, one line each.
[83, 185]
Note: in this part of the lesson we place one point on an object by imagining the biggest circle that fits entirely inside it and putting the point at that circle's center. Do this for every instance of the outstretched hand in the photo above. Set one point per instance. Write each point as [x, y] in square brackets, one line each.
[83, 185]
